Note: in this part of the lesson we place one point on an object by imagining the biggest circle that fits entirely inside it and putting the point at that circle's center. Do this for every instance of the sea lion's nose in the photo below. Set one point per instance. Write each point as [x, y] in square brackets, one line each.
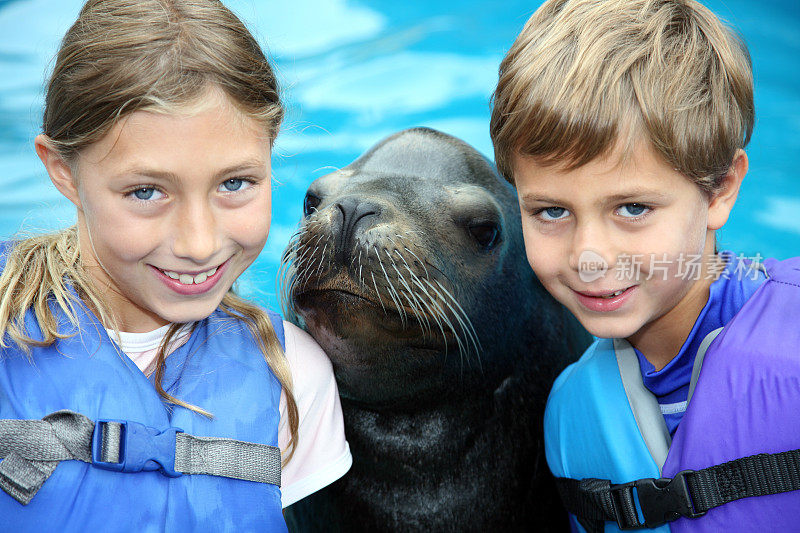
[356, 215]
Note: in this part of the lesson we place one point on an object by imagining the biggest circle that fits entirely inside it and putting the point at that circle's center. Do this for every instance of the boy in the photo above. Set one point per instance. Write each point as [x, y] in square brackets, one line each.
[623, 126]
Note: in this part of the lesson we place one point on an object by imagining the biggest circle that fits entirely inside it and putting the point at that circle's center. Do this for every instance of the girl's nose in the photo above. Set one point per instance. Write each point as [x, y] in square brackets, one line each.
[195, 234]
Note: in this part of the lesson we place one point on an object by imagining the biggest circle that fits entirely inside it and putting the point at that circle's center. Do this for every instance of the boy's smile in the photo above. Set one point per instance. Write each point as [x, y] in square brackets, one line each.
[641, 223]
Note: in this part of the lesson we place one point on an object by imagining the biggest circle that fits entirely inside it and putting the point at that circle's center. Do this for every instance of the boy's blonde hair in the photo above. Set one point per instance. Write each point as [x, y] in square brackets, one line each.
[585, 76]
[121, 56]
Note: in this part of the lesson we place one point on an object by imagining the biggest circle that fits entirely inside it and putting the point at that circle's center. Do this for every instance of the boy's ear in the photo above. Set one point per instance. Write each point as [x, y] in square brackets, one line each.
[722, 200]
[59, 170]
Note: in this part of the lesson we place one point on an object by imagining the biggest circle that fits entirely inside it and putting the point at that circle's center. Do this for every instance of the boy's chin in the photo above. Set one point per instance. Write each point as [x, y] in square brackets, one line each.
[610, 328]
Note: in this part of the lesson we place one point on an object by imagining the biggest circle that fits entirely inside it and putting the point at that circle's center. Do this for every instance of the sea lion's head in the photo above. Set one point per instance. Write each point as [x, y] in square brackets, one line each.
[409, 270]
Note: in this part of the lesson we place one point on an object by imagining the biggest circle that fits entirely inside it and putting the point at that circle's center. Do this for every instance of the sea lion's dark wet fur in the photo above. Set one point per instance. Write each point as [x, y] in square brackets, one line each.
[443, 342]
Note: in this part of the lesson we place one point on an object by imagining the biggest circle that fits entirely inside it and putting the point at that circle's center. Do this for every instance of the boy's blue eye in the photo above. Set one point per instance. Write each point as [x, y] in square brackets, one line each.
[145, 193]
[553, 213]
[633, 210]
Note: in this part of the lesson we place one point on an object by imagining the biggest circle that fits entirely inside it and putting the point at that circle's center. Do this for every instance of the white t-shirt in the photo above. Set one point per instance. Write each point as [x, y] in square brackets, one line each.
[322, 455]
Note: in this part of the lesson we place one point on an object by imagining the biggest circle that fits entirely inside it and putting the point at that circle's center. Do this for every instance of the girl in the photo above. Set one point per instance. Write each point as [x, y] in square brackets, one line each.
[137, 391]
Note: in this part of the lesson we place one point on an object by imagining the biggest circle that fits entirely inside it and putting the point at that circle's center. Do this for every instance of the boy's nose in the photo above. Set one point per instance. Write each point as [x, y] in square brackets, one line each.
[195, 234]
[592, 247]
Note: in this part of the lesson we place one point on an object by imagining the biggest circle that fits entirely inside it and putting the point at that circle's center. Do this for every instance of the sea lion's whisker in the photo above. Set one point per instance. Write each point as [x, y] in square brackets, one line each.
[464, 321]
[319, 238]
[472, 332]
[432, 313]
[461, 317]
[412, 232]
[305, 253]
[423, 319]
[414, 305]
[421, 262]
[439, 313]
[404, 259]
[437, 269]
[312, 262]
[392, 291]
[441, 316]
[378, 292]
[411, 304]
[454, 314]
[322, 258]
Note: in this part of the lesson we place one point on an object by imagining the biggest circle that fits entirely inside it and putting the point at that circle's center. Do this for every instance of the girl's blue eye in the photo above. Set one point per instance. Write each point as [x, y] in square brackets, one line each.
[633, 210]
[234, 184]
[553, 213]
[145, 193]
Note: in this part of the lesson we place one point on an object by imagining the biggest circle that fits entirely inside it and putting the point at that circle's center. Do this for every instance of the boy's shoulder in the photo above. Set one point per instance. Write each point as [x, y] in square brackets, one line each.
[589, 425]
[594, 362]
[786, 271]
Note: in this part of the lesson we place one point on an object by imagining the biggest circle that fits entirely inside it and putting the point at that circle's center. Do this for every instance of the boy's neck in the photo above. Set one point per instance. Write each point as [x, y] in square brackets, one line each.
[661, 340]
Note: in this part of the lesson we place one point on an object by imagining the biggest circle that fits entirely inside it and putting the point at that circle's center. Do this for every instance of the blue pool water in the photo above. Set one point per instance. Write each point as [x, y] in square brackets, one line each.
[353, 72]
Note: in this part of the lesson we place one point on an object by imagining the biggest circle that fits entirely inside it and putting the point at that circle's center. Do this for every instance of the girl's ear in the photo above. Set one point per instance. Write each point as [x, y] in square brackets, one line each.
[722, 200]
[59, 170]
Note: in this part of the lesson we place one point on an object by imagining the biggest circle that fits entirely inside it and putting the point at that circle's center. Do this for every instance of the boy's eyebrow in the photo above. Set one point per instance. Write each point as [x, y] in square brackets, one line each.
[633, 194]
[636, 193]
[530, 198]
[170, 176]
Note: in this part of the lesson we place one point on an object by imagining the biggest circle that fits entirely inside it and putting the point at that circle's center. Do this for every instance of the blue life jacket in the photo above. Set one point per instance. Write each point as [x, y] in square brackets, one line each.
[220, 369]
[601, 422]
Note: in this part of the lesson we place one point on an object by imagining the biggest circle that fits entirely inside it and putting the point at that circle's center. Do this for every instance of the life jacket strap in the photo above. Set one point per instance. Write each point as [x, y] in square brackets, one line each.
[31, 450]
[690, 494]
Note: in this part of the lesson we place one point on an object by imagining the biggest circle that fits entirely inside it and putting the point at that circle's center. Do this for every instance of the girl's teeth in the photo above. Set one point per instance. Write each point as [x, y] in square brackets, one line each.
[187, 279]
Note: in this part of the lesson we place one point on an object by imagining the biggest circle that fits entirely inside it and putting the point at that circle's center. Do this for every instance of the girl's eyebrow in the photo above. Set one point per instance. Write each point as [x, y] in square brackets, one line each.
[170, 176]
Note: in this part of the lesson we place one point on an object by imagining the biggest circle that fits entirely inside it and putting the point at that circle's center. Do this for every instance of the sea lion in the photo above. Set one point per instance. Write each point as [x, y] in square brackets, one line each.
[409, 270]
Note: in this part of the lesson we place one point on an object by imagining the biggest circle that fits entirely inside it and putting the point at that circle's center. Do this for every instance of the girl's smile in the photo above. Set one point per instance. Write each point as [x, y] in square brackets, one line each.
[189, 283]
[172, 208]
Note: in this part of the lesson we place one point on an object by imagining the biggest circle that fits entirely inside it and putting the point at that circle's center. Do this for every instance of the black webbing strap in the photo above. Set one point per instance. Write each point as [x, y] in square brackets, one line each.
[689, 494]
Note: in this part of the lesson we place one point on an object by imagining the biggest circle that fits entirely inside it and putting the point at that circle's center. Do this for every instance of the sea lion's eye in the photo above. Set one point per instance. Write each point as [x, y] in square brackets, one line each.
[486, 234]
[310, 203]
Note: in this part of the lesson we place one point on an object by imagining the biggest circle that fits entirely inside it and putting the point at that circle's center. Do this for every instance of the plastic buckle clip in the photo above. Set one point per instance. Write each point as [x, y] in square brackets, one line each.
[141, 448]
[661, 500]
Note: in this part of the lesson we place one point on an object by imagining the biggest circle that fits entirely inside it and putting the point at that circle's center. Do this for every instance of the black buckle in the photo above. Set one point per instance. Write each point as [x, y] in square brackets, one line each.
[661, 500]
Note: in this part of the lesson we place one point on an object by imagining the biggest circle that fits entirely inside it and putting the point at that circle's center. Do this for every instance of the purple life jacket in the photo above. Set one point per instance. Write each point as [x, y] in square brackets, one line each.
[606, 440]
[746, 402]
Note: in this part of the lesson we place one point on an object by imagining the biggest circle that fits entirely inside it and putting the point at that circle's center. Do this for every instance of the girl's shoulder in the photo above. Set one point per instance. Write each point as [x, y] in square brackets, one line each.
[304, 354]
[322, 455]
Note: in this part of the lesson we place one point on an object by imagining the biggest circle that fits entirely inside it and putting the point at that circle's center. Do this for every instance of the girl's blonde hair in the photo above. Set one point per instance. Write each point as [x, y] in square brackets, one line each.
[122, 56]
[584, 76]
